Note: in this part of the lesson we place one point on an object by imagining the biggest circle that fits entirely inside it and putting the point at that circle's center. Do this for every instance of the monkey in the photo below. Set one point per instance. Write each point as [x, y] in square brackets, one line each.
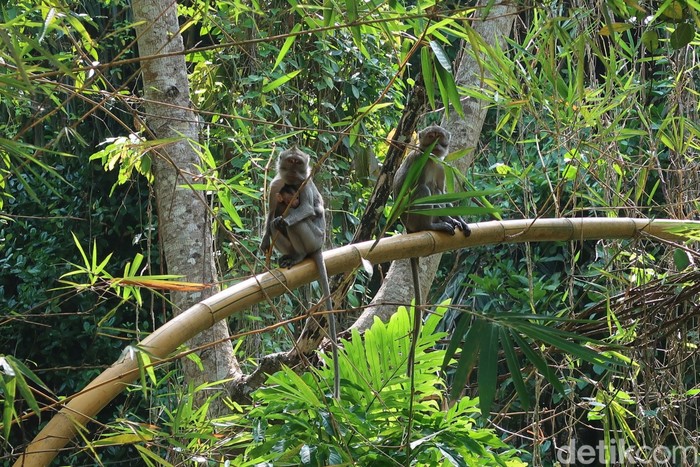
[286, 199]
[299, 232]
[431, 181]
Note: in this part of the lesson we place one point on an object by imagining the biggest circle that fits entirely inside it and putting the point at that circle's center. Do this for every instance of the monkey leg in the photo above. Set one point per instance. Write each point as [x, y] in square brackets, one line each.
[304, 238]
[280, 240]
[287, 261]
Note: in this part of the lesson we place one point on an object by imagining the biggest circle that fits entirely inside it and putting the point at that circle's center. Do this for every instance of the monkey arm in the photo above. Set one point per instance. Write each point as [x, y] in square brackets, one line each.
[265, 242]
[276, 185]
[309, 198]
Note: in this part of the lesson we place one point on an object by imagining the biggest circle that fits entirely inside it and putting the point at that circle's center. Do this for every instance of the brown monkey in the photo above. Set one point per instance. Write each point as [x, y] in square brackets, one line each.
[299, 232]
[286, 199]
[431, 181]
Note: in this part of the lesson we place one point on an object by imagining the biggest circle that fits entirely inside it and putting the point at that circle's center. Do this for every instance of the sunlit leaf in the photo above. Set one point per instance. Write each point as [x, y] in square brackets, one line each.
[287, 45]
[280, 81]
[672, 9]
[441, 56]
[428, 75]
[616, 27]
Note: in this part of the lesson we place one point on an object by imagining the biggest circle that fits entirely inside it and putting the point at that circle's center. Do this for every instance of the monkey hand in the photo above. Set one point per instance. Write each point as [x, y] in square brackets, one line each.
[461, 224]
[279, 223]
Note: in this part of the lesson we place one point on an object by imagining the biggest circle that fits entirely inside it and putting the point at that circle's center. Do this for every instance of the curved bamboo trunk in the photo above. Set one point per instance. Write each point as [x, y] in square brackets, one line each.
[81, 407]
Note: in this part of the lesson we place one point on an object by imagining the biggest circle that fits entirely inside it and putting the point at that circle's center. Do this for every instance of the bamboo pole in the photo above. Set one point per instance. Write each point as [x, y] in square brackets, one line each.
[83, 406]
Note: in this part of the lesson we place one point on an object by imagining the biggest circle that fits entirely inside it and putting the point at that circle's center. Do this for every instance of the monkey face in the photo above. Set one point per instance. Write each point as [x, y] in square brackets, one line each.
[293, 166]
[435, 133]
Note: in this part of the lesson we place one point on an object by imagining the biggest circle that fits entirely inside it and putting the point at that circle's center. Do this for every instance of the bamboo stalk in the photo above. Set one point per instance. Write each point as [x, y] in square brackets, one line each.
[84, 405]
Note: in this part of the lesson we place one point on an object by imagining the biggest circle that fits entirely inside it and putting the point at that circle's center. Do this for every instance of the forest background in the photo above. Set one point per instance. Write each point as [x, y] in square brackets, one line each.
[137, 142]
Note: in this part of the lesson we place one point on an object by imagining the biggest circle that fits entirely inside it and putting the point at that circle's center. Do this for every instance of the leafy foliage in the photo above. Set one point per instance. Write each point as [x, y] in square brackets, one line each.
[295, 420]
[593, 113]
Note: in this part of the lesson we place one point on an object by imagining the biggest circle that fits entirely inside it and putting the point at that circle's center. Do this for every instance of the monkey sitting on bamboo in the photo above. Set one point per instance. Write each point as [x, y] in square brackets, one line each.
[430, 182]
[296, 227]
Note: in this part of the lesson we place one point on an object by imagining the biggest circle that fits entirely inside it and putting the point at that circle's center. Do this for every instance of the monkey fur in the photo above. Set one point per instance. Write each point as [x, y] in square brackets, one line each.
[286, 199]
[430, 182]
[296, 227]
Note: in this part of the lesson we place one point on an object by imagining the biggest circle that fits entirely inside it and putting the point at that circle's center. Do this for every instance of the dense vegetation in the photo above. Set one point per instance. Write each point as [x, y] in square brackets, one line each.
[593, 113]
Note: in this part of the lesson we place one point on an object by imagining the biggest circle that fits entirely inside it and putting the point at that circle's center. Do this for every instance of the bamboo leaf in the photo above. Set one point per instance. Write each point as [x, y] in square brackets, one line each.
[615, 27]
[280, 81]
[8, 409]
[458, 196]
[514, 368]
[441, 56]
[539, 363]
[470, 351]
[456, 211]
[428, 76]
[463, 323]
[414, 172]
[147, 453]
[488, 368]
[559, 340]
[287, 45]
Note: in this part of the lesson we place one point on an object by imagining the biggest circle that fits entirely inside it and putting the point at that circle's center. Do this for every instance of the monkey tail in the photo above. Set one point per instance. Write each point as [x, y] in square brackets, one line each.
[417, 321]
[332, 332]
[417, 316]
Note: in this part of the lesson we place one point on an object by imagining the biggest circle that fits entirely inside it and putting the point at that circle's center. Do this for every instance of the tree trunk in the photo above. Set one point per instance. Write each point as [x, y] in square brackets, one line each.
[183, 216]
[494, 26]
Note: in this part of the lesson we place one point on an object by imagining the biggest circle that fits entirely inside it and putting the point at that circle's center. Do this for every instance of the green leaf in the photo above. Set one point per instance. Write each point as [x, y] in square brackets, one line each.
[8, 409]
[448, 90]
[287, 45]
[470, 351]
[488, 368]
[463, 323]
[228, 206]
[684, 33]
[20, 367]
[539, 363]
[280, 81]
[426, 63]
[148, 454]
[456, 211]
[680, 259]
[514, 368]
[650, 39]
[559, 340]
[414, 172]
[441, 56]
[458, 196]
